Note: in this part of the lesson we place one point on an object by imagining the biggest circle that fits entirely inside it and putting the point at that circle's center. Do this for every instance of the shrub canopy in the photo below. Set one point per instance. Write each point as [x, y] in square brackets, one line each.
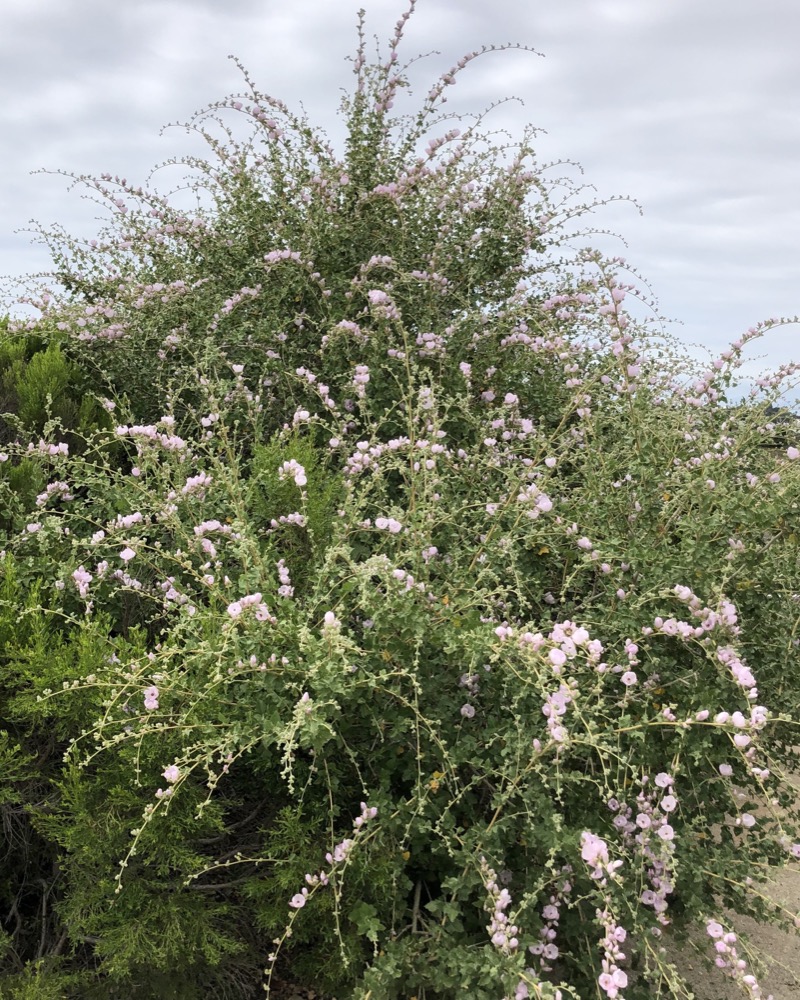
[390, 597]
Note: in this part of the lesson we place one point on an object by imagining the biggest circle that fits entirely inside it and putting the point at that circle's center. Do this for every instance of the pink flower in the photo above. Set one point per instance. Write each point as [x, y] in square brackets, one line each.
[172, 773]
[607, 984]
[295, 470]
[82, 580]
[629, 678]
[792, 454]
[298, 901]
[127, 554]
[388, 524]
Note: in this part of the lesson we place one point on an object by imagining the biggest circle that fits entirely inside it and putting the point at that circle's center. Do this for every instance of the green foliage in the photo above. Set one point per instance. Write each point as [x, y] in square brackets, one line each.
[267, 493]
[45, 980]
[40, 389]
[42, 385]
[411, 615]
[20, 484]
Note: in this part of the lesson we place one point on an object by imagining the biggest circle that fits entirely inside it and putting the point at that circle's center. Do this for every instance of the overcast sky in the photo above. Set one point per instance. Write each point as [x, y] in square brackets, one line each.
[690, 106]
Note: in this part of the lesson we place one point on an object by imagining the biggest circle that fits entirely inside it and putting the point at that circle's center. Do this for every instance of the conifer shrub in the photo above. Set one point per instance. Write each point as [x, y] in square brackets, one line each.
[40, 390]
[37, 384]
[419, 628]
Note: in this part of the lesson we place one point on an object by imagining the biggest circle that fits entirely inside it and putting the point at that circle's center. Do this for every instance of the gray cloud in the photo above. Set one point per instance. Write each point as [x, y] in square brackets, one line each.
[692, 108]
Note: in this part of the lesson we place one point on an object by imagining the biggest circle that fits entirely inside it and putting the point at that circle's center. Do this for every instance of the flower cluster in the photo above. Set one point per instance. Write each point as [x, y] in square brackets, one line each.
[612, 979]
[728, 959]
[502, 931]
[546, 948]
[59, 490]
[285, 589]
[654, 836]
[338, 856]
[261, 613]
[293, 469]
[594, 851]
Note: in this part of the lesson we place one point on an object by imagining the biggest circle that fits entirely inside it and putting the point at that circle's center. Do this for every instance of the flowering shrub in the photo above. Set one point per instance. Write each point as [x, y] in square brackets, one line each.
[416, 628]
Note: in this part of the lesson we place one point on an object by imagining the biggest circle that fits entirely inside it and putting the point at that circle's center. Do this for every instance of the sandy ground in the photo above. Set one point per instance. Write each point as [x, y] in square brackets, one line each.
[779, 951]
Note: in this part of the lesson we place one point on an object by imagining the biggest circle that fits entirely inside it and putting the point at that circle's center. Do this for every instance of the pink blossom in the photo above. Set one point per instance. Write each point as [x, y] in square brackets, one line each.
[593, 848]
[388, 524]
[82, 580]
[295, 470]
